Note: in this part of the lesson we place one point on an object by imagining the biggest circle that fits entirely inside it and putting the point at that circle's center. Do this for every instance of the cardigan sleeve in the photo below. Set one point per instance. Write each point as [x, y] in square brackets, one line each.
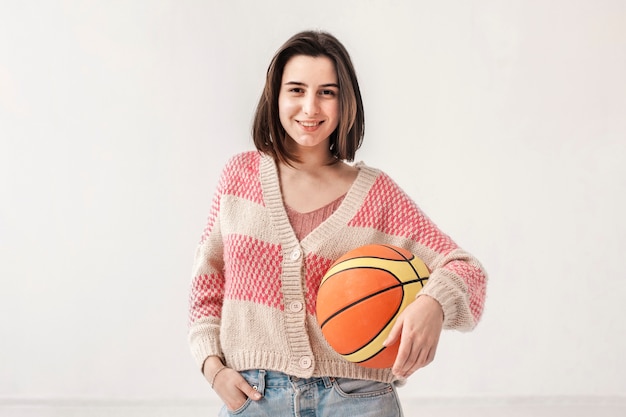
[207, 286]
[458, 282]
[457, 279]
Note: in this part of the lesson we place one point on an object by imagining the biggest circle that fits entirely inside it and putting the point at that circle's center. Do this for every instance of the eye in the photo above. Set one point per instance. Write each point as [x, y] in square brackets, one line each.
[296, 90]
[329, 93]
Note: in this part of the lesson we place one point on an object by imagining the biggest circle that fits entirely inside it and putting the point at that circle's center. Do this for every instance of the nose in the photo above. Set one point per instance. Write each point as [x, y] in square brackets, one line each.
[310, 105]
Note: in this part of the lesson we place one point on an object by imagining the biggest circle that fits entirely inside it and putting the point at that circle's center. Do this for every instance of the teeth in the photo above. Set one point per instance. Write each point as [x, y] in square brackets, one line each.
[309, 124]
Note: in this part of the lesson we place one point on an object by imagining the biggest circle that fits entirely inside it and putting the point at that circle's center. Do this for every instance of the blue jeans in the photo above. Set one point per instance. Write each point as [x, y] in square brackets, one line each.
[288, 396]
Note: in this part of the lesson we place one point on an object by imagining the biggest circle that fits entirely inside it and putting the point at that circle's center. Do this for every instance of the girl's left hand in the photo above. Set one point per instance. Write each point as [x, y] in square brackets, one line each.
[418, 327]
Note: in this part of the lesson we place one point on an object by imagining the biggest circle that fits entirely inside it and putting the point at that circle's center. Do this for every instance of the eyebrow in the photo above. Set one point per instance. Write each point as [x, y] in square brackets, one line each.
[305, 85]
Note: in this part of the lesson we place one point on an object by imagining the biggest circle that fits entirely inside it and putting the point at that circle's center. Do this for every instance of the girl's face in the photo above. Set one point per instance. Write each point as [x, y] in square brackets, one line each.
[308, 101]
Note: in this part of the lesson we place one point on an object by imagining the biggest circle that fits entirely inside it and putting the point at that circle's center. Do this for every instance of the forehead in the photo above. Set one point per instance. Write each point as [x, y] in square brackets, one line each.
[315, 70]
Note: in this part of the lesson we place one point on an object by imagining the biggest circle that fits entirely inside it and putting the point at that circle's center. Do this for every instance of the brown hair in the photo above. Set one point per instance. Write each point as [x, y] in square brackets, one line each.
[267, 131]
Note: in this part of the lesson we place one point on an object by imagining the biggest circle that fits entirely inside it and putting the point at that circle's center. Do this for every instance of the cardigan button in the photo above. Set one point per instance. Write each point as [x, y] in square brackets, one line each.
[295, 255]
[305, 362]
[295, 306]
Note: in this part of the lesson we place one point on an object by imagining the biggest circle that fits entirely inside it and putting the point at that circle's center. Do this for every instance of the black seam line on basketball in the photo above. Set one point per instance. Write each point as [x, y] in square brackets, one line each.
[373, 355]
[420, 279]
[402, 284]
[393, 315]
[387, 259]
[398, 252]
[407, 259]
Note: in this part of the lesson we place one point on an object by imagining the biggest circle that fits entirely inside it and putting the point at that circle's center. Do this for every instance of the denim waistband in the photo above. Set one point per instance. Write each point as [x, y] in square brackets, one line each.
[269, 378]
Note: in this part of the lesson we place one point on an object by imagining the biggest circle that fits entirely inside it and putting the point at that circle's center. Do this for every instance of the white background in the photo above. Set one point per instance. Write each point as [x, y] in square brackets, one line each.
[504, 120]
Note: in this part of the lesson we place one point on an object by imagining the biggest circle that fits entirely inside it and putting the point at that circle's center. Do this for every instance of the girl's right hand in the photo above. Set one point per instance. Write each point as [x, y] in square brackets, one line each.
[231, 387]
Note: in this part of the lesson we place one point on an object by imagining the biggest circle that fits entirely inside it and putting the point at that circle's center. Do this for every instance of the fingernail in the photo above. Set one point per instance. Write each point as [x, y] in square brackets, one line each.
[257, 396]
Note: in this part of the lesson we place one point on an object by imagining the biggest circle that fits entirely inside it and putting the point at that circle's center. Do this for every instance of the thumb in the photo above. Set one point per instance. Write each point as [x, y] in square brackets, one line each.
[395, 333]
[250, 392]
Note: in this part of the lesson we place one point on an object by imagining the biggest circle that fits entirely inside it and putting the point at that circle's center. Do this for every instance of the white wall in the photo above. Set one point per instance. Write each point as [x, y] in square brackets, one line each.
[504, 120]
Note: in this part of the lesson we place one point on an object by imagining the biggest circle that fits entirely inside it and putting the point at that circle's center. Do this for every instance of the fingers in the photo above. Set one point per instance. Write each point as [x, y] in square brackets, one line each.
[420, 332]
[413, 357]
[234, 390]
[416, 358]
[395, 332]
[249, 391]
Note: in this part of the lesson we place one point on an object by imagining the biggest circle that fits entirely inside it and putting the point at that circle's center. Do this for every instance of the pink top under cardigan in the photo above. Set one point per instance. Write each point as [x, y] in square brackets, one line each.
[305, 223]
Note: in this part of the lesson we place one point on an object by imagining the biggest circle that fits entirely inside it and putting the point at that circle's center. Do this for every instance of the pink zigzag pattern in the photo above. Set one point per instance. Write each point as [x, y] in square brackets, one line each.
[316, 267]
[206, 297]
[251, 262]
[243, 175]
[390, 210]
[475, 281]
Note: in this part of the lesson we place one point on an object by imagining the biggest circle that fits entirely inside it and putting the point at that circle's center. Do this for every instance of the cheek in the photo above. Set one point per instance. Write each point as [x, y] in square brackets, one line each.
[332, 111]
[285, 109]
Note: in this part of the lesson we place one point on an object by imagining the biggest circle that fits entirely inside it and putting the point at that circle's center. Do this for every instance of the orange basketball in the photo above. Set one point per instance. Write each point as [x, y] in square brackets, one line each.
[360, 298]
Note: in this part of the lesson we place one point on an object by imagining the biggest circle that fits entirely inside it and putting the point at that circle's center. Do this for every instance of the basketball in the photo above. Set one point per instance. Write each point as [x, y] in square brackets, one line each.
[360, 298]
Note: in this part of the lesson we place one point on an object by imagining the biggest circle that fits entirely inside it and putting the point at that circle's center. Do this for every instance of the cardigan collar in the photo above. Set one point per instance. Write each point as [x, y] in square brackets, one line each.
[273, 199]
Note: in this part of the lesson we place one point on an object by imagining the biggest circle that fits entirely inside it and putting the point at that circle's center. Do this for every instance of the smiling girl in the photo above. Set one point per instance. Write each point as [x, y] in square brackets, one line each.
[279, 219]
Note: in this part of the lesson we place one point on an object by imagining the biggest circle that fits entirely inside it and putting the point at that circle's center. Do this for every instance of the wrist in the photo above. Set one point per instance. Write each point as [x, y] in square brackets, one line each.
[215, 374]
[436, 305]
[210, 367]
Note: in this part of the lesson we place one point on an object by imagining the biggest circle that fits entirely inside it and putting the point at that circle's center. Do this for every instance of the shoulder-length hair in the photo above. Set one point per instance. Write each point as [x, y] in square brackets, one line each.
[267, 131]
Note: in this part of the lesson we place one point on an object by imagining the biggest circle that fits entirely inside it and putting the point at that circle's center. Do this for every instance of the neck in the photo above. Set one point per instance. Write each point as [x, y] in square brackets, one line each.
[311, 167]
[313, 159]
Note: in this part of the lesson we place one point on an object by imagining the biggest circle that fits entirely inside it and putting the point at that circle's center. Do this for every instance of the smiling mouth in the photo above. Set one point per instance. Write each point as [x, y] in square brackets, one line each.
[310, 124]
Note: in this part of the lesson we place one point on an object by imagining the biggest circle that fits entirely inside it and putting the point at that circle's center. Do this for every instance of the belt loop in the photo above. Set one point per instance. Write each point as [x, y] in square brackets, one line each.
[328, 381]
[262, 377]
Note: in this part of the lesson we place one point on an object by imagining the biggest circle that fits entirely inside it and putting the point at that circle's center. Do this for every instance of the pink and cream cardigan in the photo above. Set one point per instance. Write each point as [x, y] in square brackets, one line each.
[254, 283]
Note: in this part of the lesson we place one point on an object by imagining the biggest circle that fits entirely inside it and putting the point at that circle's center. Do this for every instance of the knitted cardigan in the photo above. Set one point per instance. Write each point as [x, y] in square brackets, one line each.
[254, 284]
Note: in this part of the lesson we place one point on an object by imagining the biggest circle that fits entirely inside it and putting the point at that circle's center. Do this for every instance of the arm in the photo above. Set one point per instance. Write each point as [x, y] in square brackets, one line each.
[205, 308]
[208, 283]
[453, 298]
[207, 291]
